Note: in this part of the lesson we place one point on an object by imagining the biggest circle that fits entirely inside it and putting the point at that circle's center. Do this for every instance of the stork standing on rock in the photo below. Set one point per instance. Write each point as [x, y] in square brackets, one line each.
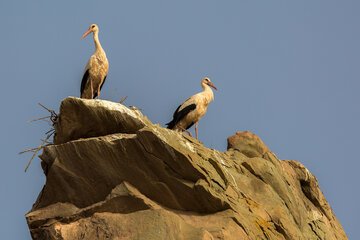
[96, 68]
[192, 110]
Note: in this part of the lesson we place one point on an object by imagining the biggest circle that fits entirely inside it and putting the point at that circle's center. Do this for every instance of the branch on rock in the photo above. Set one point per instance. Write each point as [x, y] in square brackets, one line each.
[42, 118]
[36, 151]
[123, 99]
[112, 93]
[53, 118]
[28, 150]
[135, 108]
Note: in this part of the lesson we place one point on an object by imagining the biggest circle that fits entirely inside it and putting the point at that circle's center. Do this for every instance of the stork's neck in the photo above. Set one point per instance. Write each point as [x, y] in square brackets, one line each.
[98, 47]
[209, 95]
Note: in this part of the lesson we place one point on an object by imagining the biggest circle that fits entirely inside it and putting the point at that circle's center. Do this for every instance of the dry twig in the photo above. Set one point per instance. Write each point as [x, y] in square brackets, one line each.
[123, 99]
[38, 119]
[135, 108]
[50, 131]
[112, 93]
[53, 115]
[38, 149]
[28, 150]
[53, 118]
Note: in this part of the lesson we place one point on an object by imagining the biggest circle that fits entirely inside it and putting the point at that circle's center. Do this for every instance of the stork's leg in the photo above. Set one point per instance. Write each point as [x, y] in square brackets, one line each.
[196, 130]
[92, 90]
[99, 91]
[185, 130]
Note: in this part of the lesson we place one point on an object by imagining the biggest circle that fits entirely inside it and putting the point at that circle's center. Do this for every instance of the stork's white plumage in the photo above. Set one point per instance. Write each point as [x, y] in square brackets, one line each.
[96, 68]
[192, 110]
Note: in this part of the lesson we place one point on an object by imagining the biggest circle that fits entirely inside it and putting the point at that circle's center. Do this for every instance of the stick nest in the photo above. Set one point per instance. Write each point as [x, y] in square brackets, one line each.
[53, 117]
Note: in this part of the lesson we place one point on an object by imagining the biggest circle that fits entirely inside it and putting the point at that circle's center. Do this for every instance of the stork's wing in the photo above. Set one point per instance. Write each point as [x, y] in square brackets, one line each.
[95, 94]
[180, 114]
[103, 82]
[84, 81]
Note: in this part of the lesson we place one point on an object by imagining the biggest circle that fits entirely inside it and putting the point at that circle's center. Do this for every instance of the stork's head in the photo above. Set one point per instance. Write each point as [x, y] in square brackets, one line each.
[206, 81]
[93, 28]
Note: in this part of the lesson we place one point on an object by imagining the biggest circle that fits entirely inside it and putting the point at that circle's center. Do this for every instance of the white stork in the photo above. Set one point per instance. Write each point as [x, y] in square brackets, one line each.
[192, 110]
[96, 68]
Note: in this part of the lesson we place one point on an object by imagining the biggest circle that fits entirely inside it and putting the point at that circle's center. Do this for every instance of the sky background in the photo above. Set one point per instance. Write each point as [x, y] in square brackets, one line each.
[287, 71]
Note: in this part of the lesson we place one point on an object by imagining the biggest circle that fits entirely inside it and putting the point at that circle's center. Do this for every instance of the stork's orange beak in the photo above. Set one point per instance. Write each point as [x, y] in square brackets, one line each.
[212, 85]
[87, 33]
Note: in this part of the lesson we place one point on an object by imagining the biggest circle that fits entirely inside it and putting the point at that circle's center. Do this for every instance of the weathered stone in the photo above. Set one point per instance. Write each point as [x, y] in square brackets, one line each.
[247, 143]
[141, 181]
[83, 118]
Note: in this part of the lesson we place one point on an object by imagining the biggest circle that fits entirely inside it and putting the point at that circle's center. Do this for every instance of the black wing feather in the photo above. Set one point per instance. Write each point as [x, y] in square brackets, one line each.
[95, 94]
[84, 81]
[178, 115]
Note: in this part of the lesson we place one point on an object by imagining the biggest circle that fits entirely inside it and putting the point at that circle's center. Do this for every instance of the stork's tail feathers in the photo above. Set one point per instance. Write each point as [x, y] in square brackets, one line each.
[170, 125]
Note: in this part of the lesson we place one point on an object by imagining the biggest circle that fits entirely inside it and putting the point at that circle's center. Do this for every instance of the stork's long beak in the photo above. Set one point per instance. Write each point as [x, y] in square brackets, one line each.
[87, 33]
[212, 85]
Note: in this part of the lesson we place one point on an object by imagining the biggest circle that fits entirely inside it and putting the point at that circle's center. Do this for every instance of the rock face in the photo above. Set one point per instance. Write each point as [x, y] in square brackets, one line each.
[112, 174]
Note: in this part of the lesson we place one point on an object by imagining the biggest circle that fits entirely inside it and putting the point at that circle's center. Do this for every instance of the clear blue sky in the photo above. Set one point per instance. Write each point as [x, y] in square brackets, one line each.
[286, 70]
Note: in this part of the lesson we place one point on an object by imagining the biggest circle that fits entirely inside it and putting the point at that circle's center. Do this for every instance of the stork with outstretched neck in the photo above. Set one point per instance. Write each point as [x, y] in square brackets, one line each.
[96, 68]
[192, 110]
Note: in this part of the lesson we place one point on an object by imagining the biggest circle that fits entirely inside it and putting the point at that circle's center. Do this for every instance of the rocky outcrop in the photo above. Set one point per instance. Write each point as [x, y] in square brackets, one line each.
[112, 174]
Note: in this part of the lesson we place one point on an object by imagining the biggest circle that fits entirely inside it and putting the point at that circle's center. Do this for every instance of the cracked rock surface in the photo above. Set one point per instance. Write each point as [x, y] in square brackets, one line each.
[112, 174]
